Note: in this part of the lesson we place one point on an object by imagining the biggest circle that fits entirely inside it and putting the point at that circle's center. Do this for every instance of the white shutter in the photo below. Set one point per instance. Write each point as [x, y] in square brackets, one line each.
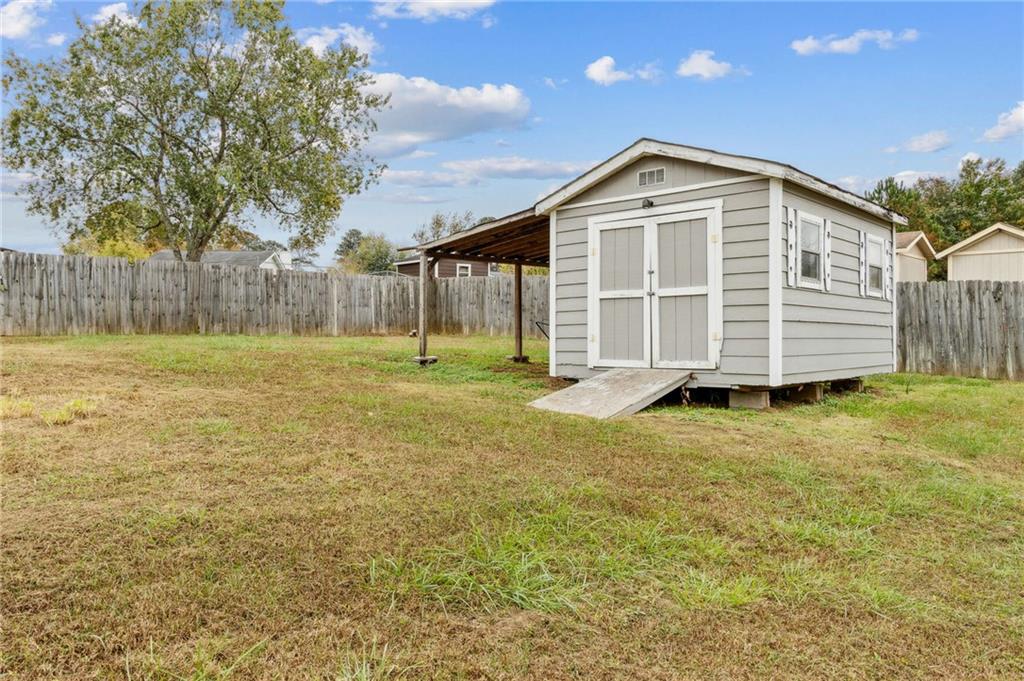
[827, 254]
[888, 270]
[863, 264]
[791, 217]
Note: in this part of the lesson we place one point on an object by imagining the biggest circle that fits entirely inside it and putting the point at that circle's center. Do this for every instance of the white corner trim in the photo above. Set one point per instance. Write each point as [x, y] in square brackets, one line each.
[895, 298]
[552, 294]
[775, 220]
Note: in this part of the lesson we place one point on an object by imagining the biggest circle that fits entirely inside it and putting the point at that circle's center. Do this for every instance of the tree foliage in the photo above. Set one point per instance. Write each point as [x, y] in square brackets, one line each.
[203, 112]
[950, 210]
[374, 254]
[348, 244]
[122, 229]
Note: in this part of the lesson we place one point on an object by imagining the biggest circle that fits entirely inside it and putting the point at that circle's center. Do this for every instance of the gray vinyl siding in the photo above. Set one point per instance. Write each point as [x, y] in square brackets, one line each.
[744, 357]
[838, 333]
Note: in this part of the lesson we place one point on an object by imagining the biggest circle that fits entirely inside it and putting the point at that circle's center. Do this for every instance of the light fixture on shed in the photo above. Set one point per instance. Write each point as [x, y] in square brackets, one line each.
[647, 204]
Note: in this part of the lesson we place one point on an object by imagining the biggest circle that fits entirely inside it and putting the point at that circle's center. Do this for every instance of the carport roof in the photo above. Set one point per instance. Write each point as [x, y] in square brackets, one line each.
[520, 237]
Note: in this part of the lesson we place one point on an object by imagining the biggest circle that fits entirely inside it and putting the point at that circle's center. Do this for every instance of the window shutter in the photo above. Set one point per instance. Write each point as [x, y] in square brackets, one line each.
[888, 270]
[863, 264]
[791, 217]
[827, 254]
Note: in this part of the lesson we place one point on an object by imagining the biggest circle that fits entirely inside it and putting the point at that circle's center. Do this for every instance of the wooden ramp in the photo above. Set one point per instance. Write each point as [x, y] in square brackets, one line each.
[619, 392]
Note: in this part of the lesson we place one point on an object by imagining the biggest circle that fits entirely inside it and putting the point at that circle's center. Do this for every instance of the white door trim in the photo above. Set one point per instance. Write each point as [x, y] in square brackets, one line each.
[709, 209]
[712, 289]
[595, 295]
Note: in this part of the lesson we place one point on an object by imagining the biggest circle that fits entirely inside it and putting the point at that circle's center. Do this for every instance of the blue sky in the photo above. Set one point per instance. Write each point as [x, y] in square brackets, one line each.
[495, 104]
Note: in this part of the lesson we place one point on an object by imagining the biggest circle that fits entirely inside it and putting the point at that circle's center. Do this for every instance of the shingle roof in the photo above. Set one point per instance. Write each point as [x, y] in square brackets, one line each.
[904, 239]
[233, 258]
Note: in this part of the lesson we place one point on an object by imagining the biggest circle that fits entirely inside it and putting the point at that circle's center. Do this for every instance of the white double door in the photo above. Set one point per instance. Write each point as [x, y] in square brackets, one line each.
[655, 292]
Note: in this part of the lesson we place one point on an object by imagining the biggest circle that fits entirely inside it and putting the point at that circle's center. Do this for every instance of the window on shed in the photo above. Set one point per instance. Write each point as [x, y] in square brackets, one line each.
[463, 270]
[646, 178]
[876, 267]
[811, 242]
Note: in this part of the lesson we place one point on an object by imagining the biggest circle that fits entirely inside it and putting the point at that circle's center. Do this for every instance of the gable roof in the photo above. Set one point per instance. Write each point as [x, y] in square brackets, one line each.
[233, 258]
[648, 147]
[988, 231]
[906, 240]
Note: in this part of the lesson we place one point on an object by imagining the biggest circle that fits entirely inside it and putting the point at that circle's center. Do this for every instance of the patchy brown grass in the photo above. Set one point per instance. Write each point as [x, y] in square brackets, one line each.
[230, 507]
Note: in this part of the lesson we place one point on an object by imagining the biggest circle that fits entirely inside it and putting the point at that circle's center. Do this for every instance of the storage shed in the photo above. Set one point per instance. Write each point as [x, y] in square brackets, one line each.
[913, 251]
[993, 254]
[746, 273]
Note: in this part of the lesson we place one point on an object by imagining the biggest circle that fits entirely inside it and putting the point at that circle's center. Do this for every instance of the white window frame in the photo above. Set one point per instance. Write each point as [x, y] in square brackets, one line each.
[819, 283]
[459, 270]
[640, 174]
[870, 292]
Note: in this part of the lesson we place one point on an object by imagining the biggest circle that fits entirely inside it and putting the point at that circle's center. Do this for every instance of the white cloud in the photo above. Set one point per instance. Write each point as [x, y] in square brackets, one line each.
[488, 21]
[702, 64]
[516, 167]
[426, 178]
[909, 178]
[56, 39]
[421, 153]
[117, 10]
[319, 39]
[926, 143]
[852, 183]
[502, 143]
[11, 182]
[467, 172]
[407, 197]
[1009, 125]
[833, 44]
[969, 156]
[18, 18]
[649, 72]
[423, 111]
[860, 185]
[603, 72]
[430, 10]
[555, 83]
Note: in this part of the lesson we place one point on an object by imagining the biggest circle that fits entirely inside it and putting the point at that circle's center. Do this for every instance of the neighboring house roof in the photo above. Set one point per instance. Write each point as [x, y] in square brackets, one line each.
[233, 258]
[988, 231]
[906, 240]
[755, 166]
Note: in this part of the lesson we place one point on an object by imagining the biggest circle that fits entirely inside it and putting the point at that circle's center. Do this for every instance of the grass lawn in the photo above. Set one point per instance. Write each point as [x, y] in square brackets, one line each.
[233, 507]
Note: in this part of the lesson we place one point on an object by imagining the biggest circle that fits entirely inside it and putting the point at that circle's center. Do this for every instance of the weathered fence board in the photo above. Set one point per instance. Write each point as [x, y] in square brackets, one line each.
[44, 295]
[962, 328]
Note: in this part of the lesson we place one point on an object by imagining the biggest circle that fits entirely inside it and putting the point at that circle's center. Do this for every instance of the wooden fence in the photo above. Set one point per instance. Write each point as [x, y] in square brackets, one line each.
[45, 295]
[971, 328]
[962, 328]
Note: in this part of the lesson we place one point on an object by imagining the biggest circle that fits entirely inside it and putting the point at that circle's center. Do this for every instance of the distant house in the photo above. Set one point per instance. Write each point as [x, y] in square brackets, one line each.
[913, 251]
[993, 254]
[265, 260]
[447, 267]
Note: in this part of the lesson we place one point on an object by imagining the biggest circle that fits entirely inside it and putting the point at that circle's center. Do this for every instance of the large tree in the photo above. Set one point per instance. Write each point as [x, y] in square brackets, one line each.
[202, 111]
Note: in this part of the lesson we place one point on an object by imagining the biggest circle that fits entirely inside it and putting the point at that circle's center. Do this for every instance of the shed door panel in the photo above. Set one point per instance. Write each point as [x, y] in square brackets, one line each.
[680, 315]
[622, 299]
